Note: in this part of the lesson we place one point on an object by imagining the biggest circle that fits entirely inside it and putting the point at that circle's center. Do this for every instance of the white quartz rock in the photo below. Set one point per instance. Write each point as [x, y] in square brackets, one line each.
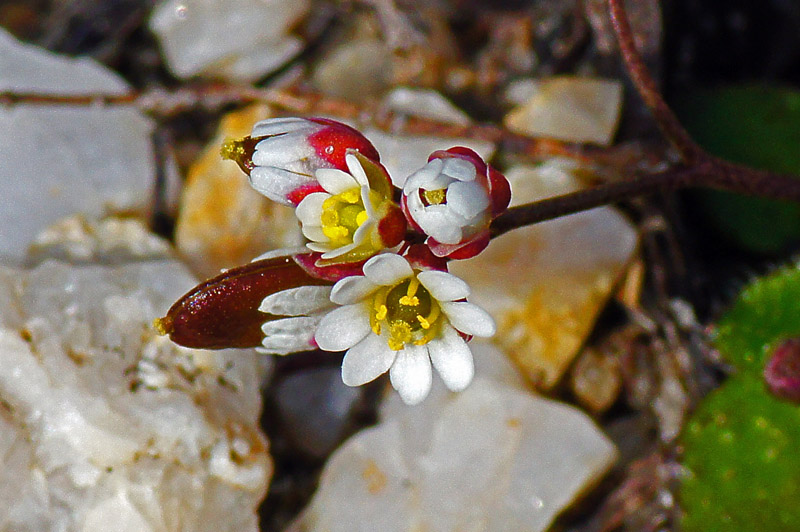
[425, 103]
[29, 68]
[568, 108]
[105, 426]
[77, 239]
[237, 39]
[492, 458]
[60, 160]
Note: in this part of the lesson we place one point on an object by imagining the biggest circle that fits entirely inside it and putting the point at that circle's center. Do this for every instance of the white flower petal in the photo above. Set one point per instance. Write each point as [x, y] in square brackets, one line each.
[467, 199]
[366, 360]
[288, 335]
[277, 183]
[297, 301]
[309, 210]
[411, 374]
[424, 177]
[342, 328]
[452, 358]
[365, 199]
[441, 223]
[281, 150]
[443, 286]
[280, 252]
[469, 318]
[334, 180]
[319, 247]
[276, 126]
[387, 269]
[363, 232]
[459, 169]
[315, 233]
[351, 289]
[333, 252]
[357, 171]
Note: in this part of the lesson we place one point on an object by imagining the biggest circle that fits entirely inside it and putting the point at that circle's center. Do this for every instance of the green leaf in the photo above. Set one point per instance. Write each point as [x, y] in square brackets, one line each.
[743, 468]
[741, 444]
[759, 126]
[766, 312]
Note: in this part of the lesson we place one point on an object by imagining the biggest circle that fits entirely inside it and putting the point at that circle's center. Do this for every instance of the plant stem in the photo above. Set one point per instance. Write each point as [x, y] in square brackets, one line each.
[645, 85]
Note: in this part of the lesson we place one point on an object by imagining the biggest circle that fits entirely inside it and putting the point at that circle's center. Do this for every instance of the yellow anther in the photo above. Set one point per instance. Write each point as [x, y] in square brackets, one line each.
[423, 322]
[352, 195]
[412, 301]
[435, 197]
[381, 313]
[361, 218]
[335, 232]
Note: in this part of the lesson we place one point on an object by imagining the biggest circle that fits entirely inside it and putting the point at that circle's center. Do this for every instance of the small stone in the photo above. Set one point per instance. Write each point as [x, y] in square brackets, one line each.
[316, 407]
[62, 160]
[563, 270]
[425, 103]
[79, 240]
[222, 221]
[487, 459]
[354, 70]
[596, 380]
[242, 40]
[29, 68]
[570, 109]
[107, 426]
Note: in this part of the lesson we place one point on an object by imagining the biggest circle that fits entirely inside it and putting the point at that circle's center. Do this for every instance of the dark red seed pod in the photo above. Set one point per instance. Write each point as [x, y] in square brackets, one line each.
[223, 312]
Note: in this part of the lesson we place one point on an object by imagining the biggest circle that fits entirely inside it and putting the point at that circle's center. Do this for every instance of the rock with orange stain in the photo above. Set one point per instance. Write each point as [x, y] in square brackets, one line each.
[494, 457]
[222, 221]
[546, 284]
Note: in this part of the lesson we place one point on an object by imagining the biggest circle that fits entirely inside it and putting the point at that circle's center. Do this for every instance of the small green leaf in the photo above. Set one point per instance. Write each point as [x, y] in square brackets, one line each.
[759, 126]
[766, 312]
[740, 445]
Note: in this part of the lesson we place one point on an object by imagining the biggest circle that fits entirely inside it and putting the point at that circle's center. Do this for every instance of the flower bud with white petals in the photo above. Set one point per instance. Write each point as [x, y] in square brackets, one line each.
[281, 155]
[453, 200]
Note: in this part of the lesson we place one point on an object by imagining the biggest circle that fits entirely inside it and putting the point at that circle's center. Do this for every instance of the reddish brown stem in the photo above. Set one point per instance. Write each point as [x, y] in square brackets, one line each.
[645, 85]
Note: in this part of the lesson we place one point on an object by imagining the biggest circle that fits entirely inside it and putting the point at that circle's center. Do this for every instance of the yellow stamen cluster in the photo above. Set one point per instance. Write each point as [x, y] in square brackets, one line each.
[342, 215]
[409, 312]
[434, 197]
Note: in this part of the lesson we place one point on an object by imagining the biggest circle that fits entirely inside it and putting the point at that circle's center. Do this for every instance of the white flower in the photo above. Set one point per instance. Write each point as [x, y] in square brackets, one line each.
[304, 307]
[399, 319]
[453, 199]
[355, 216]
[444, 199]
[288, 151]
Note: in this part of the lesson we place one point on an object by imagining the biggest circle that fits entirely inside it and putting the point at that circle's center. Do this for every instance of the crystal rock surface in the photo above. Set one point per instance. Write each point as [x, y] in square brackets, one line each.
[493, 458]
[106, 426]
[235, 39]
[59, 160]
[570, 108]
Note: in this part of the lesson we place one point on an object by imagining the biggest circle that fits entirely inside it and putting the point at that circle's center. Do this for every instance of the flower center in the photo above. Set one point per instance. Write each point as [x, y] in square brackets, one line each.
[408, 310]
[434, 197]
[342, 215]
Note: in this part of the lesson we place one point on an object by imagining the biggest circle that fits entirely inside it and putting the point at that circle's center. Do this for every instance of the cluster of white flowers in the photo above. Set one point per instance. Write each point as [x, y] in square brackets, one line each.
[392, 306]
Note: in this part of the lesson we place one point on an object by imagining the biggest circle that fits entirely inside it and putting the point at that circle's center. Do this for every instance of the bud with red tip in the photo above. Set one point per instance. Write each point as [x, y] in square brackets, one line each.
[453, 200]
[282, 155]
